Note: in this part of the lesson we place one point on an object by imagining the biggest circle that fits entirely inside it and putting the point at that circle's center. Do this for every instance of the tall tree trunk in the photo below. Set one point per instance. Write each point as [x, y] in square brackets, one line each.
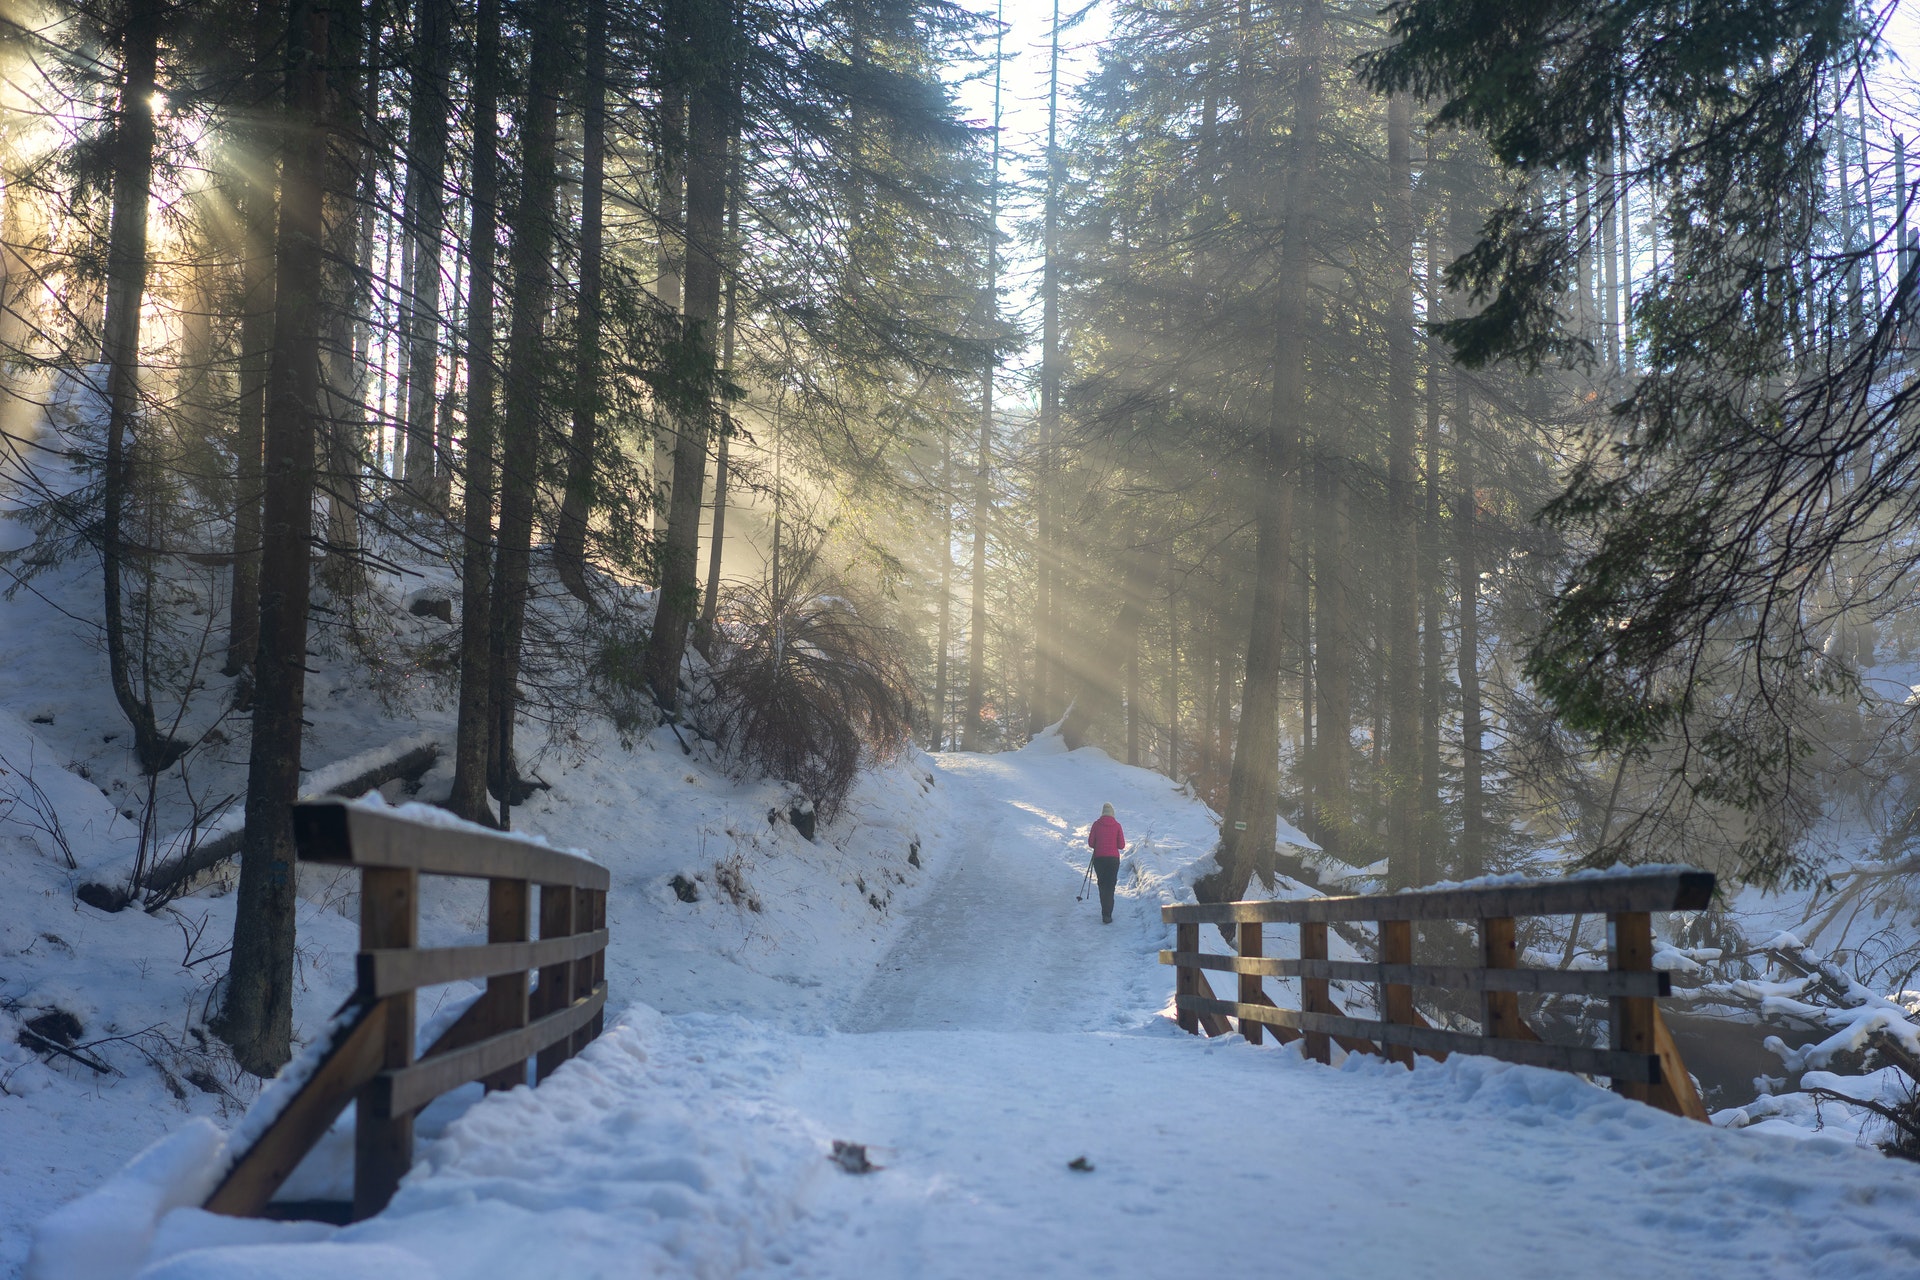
[1431, 838]
[425, 203]
[1134, 710]
[474, 732]
[672, 261]
[1172, 766]
[1249, 827]
[709, 122]
[257, 218]
[1465, 516]
[1049, 676]
[257, 1018]
[717, 542]
[971, 728]
[1403, 624]
[348, 202]
[530, 265]
[943, 631]
[1333, 659]
[570, 540]
[126, 287]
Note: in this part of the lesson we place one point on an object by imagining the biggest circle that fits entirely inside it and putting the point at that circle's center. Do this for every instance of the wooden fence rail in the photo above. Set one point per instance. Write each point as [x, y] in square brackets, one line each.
[1641, 1058]
[370, 1058]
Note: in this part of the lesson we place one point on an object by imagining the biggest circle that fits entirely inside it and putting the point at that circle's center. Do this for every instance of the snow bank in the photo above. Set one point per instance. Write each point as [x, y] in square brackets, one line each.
[105, 1234]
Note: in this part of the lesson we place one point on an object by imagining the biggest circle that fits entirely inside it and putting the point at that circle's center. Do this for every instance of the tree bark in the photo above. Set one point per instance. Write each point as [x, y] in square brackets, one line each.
[474, 732]
[1333, 660]
[126, 286]
[1250, 824]
[1472, 860]
[709, 122]
[257, 218]
[717, 542]
[672, 261]
[531, 269]
[257, 1017]
[1403, 624]
[576, 506]
[425, 203]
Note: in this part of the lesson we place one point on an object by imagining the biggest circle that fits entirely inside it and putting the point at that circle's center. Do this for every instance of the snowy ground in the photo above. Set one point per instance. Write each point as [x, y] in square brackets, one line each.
[1004, 1034]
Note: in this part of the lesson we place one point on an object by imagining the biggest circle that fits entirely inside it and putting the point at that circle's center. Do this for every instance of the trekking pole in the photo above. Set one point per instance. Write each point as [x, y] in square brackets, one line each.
[1082, 895]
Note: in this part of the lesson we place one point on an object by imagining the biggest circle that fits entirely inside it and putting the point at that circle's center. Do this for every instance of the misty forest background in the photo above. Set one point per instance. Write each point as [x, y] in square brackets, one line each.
[1482, 434]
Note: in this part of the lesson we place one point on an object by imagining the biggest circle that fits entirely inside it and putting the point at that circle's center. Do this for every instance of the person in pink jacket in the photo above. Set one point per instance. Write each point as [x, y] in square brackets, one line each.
[1106, 839]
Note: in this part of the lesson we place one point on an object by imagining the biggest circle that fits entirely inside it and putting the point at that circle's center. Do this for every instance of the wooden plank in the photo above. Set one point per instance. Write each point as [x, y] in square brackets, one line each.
[356, 1057]
[388, 971]
[1598, 983]
[1675, 1092]
[1637, 891]
[406, 1090]
[1500, 1008]
[1396, 998]
[1313, 991]
[556, 980]
[509, 903]
[1186, 978]
[1630, 948]
[1600, 1062]
[358, 835]
[1251, 946]
[1213, 1024]
[383, 1141]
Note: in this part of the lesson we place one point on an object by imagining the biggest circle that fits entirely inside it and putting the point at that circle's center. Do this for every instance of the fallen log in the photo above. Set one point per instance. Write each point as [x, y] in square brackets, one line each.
[163, 883]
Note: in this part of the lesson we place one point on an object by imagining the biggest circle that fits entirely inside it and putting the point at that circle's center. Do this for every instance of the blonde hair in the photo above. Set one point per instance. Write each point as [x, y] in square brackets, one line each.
[1106, 811]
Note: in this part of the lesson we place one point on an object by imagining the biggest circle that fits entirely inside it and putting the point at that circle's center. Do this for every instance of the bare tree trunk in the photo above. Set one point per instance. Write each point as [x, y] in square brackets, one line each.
[709, 122]
[347, 208]
[1333, 660]
[1403, 624]
[531, 269]
[126, 286]
[257, 217]
[971, 729]
[944, 628]
[257, 1018]
[474, 732]
[1472, 826]
[570, 540]
[425, 202]
[672, 261]
[1172, 766]
[1433, 651]
[1250, 823]
[1049, 676]
[710, 608]
[1134, 716]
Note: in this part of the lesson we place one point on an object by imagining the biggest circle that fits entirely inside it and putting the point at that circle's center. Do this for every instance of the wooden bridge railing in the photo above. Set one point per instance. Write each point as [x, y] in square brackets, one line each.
[370, 1058]
[1641, 1060]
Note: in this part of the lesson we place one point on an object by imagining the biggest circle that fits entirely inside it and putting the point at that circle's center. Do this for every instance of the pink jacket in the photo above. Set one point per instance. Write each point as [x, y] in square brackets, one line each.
[1105, 837]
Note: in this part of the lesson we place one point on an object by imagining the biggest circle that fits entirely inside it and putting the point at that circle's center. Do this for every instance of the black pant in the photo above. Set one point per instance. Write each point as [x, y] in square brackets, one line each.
[1106, 870]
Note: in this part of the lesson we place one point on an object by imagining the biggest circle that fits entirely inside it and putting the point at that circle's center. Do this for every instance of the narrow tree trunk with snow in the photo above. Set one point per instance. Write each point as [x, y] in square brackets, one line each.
[425, 201]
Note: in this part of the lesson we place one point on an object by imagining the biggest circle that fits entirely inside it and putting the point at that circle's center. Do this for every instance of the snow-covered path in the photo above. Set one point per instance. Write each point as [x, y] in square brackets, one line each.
[1008, 1034]
[1005, 942]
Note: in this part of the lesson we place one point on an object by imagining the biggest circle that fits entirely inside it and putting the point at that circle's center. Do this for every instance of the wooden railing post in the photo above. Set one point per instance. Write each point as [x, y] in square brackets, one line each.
[1315, 996]
[581, 985]
[509, 904]
[1186, 979]
[599, 921]
[1500, 1010]
[1396, 998]
[382, 1143]
[557, 903]
[1630, 949]
[1251, 944]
